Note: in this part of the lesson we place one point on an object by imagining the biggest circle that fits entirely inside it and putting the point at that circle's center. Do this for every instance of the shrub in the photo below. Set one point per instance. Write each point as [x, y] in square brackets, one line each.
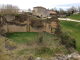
[58, 32]
[72, 43]
[56, 50]
[67, 40]
[44, 50]
[40, 39]
[36, 23]
[68, 14]
[64, 38]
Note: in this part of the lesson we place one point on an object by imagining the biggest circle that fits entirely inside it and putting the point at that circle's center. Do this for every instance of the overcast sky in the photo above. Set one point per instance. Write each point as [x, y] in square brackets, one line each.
[26, 4]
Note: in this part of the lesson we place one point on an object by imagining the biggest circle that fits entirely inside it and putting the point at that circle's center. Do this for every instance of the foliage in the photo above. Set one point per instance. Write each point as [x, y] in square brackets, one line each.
[40, 39]
[44, 50]
[64, 39]
[17, 15]
[72, 28]
[72, 43]
[8, 9]
[58, 31]
[65, 12]
[68, 14]
[48, 47]
[36, 23]
[21, 52]
[57, 11]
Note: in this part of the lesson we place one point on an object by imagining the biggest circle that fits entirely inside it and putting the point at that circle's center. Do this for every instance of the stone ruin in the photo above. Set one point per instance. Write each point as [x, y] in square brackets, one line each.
[26, 23]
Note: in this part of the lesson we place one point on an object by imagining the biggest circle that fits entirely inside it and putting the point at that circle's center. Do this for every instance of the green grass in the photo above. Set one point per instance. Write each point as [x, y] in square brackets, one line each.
[75, 16]
[27, 28]
[22, 37]
[49, 46]
[72, 28]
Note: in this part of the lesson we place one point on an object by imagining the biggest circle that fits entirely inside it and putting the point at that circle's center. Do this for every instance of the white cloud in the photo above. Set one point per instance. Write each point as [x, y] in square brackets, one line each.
[25, 4]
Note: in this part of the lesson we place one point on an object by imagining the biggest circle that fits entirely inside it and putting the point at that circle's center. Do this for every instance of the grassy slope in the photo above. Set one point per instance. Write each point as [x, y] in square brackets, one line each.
[75, 16]
[31, 50]
[74, 29]
[22, 37]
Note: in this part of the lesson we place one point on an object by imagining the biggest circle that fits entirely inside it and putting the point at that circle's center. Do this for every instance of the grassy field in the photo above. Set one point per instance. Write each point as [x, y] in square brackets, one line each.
[72, 28]
[74, 16]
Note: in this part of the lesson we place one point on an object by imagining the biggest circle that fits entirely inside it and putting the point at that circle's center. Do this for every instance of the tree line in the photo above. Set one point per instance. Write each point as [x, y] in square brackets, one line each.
[9, 9]
[70, 10]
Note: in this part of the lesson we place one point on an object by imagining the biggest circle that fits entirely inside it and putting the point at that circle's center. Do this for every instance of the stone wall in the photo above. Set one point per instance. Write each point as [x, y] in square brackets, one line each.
[48, 28]
[53, 24]
[32, 29]
[9, 17]
[17, 28]
[45, 25]
[4, 27]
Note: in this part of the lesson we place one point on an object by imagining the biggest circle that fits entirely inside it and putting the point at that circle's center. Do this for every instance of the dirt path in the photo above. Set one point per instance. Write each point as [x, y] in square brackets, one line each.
[68, 19]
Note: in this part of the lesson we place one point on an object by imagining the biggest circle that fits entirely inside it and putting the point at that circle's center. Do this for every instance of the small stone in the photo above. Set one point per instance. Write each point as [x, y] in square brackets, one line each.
[4, 44]
[69, 56]
[38, 58]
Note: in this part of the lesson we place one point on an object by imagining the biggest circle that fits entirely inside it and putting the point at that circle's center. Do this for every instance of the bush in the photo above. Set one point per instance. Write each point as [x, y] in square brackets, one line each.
[58, 32]
[44, 50]
[40, 39]
[68, 14]
[64, 38]
[67, 40]
[72, 43]
[36, 23]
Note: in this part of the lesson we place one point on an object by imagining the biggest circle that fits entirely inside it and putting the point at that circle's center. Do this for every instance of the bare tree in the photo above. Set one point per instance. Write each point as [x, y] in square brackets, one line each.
[52, 9]
[79, 9]
[61, 11]
[73, 9]
[29, 10]
[9, 9]
[55, 9]
[69, 11]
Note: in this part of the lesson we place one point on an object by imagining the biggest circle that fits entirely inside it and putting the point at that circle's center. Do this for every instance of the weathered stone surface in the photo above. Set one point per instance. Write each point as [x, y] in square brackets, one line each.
[9, 17]
[38, 58]
[73, 56]
[30, 58]
[2, 31]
